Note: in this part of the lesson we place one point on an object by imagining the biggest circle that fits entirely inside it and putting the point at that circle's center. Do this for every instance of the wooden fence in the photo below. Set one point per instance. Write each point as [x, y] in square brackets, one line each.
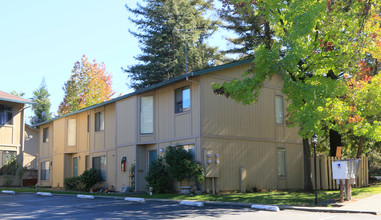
[324, 172]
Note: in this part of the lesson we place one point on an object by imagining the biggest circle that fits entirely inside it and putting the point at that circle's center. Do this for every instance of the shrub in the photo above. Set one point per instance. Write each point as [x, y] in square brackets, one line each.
[179, 162]
[72, 183]
[158, 177]
[89, 178]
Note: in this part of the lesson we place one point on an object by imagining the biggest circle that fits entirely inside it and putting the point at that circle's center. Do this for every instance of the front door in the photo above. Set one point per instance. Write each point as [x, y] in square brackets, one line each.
[75, 166]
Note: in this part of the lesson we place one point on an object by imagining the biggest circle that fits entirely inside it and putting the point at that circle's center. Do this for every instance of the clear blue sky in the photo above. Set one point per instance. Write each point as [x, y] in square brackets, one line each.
[44, 38]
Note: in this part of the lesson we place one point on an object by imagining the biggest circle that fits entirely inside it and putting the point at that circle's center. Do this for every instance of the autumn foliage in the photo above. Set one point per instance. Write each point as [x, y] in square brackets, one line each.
[88, 85]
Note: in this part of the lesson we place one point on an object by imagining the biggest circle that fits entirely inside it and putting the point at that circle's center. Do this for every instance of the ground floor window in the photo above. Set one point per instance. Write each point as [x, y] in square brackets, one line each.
[7, 157]
[191, 148]
[99, 164]
[45, 170]
[281, 162]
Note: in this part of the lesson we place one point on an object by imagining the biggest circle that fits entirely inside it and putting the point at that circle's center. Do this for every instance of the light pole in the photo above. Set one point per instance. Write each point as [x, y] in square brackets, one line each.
[314, 141]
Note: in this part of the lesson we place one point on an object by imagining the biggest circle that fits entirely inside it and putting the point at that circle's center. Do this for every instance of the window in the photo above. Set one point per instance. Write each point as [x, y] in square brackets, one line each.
[6, 115]
[99, 165]
[45, 135]
[88, 123]
[71, 132]
[146, 115]
[182, 99]
[7, 157]
[45, 170]
[279, 114]
[281, 162]
[99, 121]
[190, 148]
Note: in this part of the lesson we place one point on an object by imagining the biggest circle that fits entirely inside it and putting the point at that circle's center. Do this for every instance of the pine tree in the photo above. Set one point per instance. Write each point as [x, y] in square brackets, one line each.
[41, 98]
[164, 27]
[251, 30]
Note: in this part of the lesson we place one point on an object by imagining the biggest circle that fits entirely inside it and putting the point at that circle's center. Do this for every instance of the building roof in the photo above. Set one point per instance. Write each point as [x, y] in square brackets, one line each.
[12, 98]
[158, 85]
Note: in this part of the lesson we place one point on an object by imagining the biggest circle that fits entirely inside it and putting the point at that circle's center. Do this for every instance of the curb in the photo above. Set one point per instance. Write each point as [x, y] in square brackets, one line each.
[191, 203]
[330, 210]
[43, 194]
[8, 192]
[265, 207]
[131, 199]
[80, 196]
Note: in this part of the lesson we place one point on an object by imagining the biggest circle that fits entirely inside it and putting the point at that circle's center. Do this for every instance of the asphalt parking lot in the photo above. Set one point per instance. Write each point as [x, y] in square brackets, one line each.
[30, 206]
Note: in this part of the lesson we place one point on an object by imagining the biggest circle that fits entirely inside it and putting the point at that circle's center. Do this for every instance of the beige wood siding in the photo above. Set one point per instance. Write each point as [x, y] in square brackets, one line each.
[57, 170]
[46, 149]
[10, 134]
[259, 160]
[123, 177]
[109, 131]
[82, 134]
[6, 135]
[126, 115]
[58, 137]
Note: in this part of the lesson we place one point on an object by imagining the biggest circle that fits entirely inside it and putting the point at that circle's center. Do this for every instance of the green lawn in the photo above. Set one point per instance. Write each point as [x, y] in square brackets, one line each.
[276, 197]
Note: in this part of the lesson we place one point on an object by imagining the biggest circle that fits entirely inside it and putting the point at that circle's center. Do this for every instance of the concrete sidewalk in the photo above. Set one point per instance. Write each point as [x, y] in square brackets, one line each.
[369, 205]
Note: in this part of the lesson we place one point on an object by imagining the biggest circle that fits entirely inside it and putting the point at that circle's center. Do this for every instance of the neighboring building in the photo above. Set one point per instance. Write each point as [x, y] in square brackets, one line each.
[251, 144]
[12, 127]
[30, 153]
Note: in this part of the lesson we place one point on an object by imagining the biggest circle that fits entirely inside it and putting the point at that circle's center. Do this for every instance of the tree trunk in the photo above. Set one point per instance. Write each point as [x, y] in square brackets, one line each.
[361, 145]
[307, 165]
[334, 141]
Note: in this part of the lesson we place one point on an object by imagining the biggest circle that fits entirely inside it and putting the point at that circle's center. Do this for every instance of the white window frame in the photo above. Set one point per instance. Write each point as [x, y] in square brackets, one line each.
[71, 132]
[146, 115]
[279, 109]
[281, 162]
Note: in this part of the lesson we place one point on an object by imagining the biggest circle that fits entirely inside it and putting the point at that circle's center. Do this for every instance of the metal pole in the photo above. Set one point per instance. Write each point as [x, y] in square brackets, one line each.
[316, 196]
[186, 57]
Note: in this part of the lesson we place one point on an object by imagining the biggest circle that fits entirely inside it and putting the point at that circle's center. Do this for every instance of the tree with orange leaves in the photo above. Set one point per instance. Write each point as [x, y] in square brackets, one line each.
[88, 85]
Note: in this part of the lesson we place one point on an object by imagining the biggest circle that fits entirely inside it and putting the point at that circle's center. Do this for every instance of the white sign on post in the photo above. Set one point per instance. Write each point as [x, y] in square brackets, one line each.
[340, 170]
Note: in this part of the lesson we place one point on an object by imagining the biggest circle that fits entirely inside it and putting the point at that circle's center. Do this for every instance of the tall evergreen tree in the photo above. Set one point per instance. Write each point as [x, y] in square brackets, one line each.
[163, 28]
[250, 30]
[41, 98]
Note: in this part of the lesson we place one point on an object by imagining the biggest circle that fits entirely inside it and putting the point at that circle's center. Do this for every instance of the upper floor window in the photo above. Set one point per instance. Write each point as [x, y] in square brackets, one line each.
[6, 115]
[146, 115]
[71, 132]
[45, 135]
[99, 121]
[279, 114]
[182, 99]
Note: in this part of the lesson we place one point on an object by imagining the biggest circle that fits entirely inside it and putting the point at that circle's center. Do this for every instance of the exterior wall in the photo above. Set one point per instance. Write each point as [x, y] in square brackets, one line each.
[31, 148]
[11, 137]
[247, 137]
[88, 144]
